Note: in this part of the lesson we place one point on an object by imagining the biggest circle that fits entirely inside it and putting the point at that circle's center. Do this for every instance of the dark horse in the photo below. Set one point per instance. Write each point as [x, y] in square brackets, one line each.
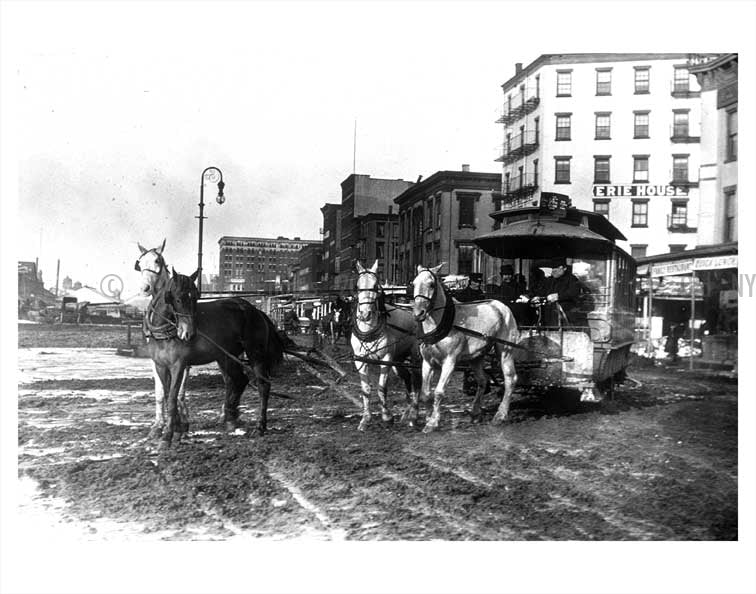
[183, 332]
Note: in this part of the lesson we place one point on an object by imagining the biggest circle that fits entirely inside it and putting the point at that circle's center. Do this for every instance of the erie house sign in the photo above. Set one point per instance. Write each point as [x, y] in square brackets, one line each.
[638, 191]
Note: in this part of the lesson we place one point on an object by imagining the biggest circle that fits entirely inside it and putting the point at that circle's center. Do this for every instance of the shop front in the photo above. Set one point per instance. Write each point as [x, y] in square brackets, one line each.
[688, 305]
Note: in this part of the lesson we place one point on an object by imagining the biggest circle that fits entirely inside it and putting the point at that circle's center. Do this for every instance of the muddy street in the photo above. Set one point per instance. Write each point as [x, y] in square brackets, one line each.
[658, 462]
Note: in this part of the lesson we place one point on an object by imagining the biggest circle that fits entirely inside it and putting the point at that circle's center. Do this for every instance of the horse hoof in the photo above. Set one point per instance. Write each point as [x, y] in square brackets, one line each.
[388, 419]
[362, 426]
[476, 419]
[155, 432]
[499, 419]
[429, 428]
[231, 426]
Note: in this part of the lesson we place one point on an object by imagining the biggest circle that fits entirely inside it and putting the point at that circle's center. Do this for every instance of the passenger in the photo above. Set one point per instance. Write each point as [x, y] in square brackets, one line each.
[473, 291]
[511, 286]
[561, 287]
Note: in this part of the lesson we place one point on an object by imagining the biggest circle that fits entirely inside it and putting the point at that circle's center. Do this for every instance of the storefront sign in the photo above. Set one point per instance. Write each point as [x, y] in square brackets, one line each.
[638, 191]
[716, 262]
[672, 268]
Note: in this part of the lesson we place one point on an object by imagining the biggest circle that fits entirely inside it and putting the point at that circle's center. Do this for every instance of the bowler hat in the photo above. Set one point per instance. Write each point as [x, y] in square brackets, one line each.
[476, 277]
[506, 269]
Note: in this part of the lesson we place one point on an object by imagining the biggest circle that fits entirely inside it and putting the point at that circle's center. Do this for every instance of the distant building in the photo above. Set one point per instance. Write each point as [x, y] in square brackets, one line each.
[30, 285]
[619, 133]
[438, 219]
[307, 271]
[258, 264]
[362, 196]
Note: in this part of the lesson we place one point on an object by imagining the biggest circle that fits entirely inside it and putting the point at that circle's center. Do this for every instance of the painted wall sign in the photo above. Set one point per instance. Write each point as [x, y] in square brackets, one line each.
[672, 268]
[638, 191]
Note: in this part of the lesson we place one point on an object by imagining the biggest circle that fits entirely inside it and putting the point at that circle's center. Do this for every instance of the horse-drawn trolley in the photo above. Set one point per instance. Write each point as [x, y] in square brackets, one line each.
[585, 345]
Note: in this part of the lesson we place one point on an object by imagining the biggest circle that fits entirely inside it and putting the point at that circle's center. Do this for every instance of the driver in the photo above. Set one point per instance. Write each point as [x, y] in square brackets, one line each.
[561, 287]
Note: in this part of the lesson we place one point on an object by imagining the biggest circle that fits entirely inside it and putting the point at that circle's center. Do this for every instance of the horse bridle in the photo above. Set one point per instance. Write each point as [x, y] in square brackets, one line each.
[432, 298]
[159, 261]
[378, 290]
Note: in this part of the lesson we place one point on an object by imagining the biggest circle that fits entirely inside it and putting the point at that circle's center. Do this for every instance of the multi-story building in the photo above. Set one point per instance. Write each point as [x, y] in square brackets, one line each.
[258, 263]
[331, 233]
[619, 133]
[438, 219]
[361, 197]
[307, 270]
[718, 190]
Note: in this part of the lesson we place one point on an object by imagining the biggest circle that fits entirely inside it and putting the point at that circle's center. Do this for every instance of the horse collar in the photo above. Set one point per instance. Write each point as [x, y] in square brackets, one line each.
[164, 330]
[443, 328]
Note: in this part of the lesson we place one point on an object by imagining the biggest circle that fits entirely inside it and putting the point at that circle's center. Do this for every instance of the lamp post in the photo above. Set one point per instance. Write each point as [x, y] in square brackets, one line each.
[220, 198]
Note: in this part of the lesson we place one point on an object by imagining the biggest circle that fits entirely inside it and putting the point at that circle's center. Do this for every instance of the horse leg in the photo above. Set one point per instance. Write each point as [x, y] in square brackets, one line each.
[382, 386]
[263, 388]
[157, 426]
[183, 409]
[411, 393]
[510, 381]
[411, 412]
[362, 370]
[235, 380]
[447, 367]
[175, 374]
[482, 381]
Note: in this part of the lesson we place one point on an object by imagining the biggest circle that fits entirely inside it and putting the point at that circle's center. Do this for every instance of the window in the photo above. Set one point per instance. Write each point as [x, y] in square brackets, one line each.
[731, 214]
[535, 172]
[603, 81]
[564, 83]
[603, 126]
[379, 250]
[680, 168]
[732, 135]
[465, 258]
[640, 126]
[429, 212]
[680, 124]
[563, 126]
[679, 216]
[642, 80]
[467, 210]
[438, 212]
[640, 168]
[601, 207]
[675, 248]
[562, 170]
[601, 170]
[682, 80]
[380, 230]
[638, 250]
[640, 213]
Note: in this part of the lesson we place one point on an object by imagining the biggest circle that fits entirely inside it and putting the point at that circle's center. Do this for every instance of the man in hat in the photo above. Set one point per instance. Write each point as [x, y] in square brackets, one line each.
[562, 288]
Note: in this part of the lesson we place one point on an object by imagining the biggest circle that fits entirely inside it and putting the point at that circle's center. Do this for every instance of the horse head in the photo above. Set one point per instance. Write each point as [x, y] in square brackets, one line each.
[153, 268]
[181, 294]
[425, 286]
[369, 293]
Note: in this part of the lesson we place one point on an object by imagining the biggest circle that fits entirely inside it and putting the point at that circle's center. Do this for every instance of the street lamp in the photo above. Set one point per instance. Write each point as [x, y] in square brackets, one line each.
[220, 199]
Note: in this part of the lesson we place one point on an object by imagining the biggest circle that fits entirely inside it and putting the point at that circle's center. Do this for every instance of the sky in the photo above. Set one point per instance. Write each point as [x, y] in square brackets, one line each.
[119, 107]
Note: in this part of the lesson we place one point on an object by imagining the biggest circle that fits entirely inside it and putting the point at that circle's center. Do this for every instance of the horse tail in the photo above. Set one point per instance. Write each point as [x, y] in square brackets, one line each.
[262, 339]
[274, 349]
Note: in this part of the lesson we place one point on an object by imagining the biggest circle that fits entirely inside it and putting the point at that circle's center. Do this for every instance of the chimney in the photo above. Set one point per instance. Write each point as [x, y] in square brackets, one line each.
[465, 167]
[518, 68]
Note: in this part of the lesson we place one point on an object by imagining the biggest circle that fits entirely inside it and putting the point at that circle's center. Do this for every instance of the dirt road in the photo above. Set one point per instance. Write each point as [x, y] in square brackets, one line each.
[658, 462]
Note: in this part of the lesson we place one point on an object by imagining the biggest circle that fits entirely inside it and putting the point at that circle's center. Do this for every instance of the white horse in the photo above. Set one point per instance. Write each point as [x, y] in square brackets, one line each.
[155, 277]
[453, 331]
[382, 334]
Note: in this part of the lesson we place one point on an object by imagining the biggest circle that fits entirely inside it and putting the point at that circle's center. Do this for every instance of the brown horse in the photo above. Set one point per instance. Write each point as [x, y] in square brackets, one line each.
[220, 331]
[453, 331]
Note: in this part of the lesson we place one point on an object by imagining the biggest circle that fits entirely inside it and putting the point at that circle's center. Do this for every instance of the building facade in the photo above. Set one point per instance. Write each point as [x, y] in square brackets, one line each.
[259, 264]
[718, 190]
[361, 197]
[438, 219]
[331, 233]
[619, 133]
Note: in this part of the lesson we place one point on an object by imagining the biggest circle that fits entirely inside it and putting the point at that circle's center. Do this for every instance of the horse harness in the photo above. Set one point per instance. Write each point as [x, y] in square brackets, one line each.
[383, 313]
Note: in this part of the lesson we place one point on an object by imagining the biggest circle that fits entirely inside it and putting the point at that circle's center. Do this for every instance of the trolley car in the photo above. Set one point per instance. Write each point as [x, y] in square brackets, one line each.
[590, 352]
